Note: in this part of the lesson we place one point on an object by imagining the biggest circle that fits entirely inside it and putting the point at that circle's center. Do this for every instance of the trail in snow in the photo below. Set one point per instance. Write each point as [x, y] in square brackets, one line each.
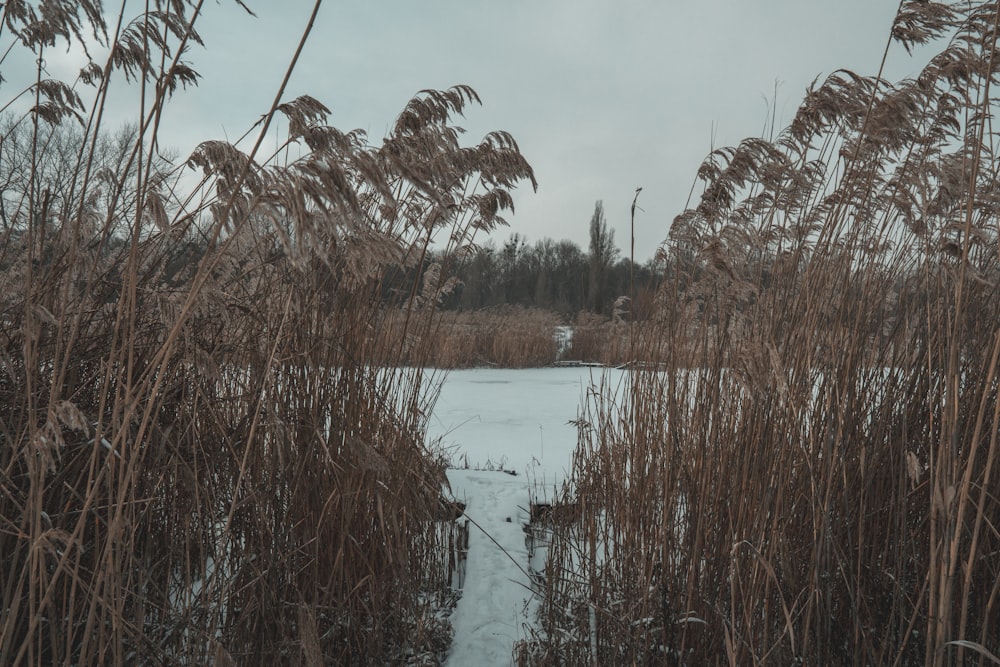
[495, 603]
[517, 420]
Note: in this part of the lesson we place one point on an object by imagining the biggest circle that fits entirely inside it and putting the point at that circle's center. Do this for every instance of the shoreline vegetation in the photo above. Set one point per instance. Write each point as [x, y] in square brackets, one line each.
[519, 337]
[771, 495]
[155, 506]
[761, 491]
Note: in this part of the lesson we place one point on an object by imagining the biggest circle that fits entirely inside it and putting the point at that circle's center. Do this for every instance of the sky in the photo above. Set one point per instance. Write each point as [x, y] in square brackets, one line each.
[602, 97]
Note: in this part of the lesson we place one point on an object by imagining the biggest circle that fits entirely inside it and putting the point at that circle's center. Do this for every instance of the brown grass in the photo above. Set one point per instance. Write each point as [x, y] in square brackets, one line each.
[507, 337]
[617, 343]
[813, 480]
[206, 456]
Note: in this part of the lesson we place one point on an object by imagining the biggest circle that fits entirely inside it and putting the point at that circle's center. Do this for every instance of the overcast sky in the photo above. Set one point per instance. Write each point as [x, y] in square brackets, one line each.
[602, 97]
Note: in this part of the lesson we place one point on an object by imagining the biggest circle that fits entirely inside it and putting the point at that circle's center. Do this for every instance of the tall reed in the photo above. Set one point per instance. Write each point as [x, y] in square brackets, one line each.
[508, 337]
[812, 477]
[205, 457]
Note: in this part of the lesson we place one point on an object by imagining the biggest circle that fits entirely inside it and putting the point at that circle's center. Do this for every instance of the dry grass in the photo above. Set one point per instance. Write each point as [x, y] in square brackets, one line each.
[813, 480]
[205, 454]
[617, 343]
[508, 337]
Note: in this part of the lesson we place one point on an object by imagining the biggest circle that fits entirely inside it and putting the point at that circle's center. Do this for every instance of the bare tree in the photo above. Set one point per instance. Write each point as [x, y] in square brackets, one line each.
[603, 253]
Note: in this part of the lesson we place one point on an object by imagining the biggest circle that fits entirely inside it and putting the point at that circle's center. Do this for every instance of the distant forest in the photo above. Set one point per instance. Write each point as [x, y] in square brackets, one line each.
[552, 275]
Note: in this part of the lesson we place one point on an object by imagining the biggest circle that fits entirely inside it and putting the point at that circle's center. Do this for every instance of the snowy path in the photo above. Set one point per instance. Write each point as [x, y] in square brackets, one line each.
[494, 607]
[517, 420]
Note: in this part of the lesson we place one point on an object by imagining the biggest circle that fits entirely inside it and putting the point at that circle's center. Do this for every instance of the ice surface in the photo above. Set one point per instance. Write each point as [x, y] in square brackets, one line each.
[518, 421]
[515, 419]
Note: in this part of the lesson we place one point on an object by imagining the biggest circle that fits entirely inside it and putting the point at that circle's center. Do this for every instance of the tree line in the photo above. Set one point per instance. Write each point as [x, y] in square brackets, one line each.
[552, 275]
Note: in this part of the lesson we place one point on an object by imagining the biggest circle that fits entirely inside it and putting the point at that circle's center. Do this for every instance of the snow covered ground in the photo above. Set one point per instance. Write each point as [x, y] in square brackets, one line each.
[496, 600]
[515, 421]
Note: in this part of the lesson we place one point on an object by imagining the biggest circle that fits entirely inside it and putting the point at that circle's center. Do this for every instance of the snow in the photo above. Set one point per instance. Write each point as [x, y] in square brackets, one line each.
[516, 421]
[495, 603]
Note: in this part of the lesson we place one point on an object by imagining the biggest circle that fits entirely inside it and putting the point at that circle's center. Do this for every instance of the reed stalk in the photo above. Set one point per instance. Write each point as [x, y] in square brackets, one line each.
[207, 455]
[808, 473]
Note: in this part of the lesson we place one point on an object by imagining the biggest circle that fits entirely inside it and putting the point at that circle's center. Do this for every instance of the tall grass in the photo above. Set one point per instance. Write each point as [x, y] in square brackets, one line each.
[507, 336]
[815, 479]
[205, 456]
[615, 342]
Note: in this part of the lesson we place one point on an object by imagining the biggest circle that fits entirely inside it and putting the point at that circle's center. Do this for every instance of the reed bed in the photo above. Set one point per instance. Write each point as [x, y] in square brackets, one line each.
[505, 336]
[813, 479]
[618, 343]
[600, 340]
[206, 454]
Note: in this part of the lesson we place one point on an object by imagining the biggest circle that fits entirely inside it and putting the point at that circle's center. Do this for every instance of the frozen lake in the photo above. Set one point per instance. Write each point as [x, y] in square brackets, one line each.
[518, 421]
[515, 419]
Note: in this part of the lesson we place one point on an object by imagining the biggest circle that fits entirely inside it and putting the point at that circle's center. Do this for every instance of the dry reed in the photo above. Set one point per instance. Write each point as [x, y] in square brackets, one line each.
[508, 337]
[811, 476]
[205, 454]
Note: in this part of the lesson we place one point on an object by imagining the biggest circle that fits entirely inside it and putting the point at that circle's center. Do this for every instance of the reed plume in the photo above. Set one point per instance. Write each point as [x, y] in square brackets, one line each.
[206, 455]
[809, 474]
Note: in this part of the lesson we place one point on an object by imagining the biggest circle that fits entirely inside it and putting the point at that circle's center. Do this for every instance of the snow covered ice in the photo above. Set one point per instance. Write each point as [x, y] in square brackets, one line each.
[495, 602]
[515, 421]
